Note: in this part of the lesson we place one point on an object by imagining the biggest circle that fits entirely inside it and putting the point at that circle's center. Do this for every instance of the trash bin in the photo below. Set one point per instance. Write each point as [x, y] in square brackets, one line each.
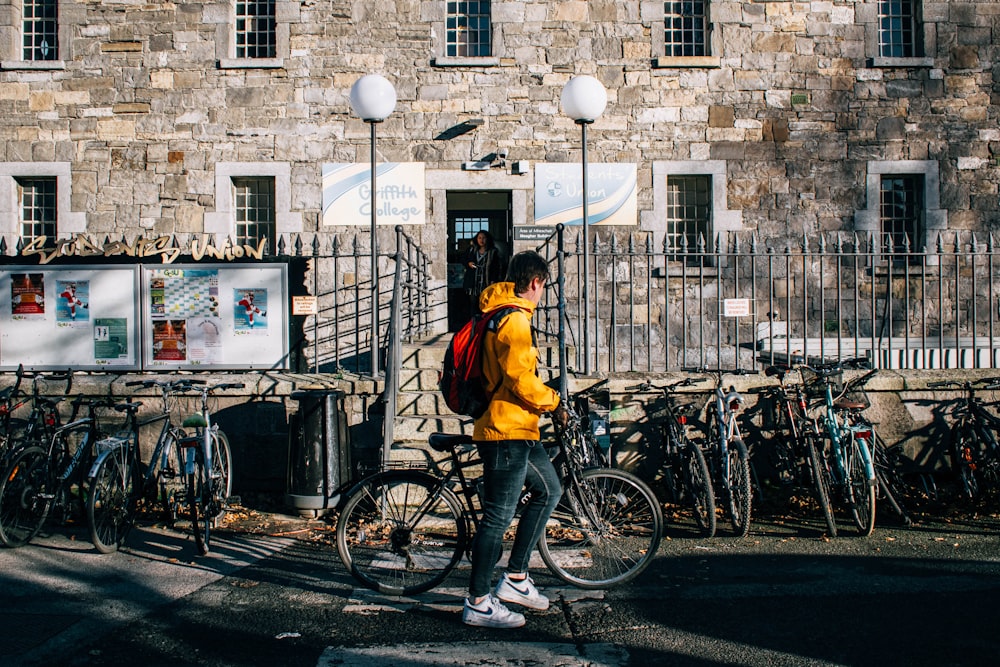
[318, 452]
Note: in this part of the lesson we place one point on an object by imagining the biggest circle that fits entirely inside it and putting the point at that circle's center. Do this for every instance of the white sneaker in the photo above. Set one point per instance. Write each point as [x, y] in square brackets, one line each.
[490, 613]
[521, 592]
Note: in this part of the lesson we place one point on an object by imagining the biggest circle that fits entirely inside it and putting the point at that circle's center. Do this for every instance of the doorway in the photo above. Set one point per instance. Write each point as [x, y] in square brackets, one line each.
[469, 213]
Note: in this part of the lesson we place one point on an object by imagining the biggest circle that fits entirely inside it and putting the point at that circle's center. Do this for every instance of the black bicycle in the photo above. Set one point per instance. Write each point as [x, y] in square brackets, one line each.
[973, 446]
[402, 531]
[686, 473]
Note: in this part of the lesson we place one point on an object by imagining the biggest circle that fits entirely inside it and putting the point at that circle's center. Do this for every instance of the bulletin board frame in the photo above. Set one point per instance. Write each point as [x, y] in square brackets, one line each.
[68, 316]
[214, 316]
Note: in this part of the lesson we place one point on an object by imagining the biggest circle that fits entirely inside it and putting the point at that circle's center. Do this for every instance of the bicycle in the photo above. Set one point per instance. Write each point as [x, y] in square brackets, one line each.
[402, 531]
[686, 472]
[847, 466]
[973, 446]
[41, 479]
[207, 485]
[795, 447]
[729, 459]
[120, 483]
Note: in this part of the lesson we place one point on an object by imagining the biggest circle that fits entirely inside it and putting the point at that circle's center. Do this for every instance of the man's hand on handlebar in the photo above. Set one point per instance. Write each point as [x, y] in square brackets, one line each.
[560, 415]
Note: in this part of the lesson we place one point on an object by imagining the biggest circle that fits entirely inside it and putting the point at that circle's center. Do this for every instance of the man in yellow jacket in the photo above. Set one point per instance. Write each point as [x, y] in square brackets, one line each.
[514, 459]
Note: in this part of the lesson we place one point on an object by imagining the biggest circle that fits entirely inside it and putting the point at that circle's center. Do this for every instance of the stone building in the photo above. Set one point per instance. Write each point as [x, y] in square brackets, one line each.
[222, 117]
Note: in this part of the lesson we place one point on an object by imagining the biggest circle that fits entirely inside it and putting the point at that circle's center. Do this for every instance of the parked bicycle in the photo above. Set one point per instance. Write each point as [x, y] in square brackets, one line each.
[685, 470]
[848, 469]
[40, 481]
[208, 468]
[728, 459]
[402, 531]
[973, 446]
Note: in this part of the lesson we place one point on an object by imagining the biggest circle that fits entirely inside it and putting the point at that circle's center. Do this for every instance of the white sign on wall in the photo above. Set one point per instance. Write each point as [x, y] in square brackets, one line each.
[559, 194]
[399, 200]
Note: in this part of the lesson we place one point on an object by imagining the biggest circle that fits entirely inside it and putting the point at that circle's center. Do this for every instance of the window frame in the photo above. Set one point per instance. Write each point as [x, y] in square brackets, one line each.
[722, 219]
[68, 222]
[12, 37]
[935, 218]
[221, 223]
[713, 42]
[240, 237]
[285, 12]
[20, 185]
[439, 28]
[926, 37]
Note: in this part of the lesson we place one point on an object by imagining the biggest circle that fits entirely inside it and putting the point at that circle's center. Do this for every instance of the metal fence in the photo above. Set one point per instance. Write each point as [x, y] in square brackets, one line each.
[659, 304]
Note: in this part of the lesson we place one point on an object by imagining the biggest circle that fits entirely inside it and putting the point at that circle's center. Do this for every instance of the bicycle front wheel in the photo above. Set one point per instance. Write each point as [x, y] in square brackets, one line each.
[222, 472]
[604, 531]
[401, 533]
[822, 482]
[862, 487]
[699, 488]
[199, 499]
[739, 488]
[112, 501]
[25, 496]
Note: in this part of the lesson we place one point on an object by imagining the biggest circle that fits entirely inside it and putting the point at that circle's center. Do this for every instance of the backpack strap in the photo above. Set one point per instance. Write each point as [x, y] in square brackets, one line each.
[494, 317]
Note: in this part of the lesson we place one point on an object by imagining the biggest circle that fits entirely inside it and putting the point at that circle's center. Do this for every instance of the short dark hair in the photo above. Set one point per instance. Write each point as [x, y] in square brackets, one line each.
[524, 267]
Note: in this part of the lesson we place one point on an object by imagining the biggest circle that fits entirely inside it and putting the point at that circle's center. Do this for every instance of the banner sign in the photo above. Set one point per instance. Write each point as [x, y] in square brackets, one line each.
[612, 199]
[347, 196]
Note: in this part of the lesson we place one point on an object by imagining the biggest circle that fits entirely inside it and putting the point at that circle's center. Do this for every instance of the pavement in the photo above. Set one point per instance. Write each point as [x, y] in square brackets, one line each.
[273, 592]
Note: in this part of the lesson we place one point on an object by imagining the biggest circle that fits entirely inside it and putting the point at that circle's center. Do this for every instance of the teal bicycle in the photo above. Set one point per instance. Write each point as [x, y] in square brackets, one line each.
[847, 469]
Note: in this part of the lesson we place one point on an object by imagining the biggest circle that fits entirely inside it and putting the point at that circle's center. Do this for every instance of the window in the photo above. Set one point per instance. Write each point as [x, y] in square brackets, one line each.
[903, 201]
[37, 197]
[255, 211]
[40, 39]
[899, 33]
[685, 28]
[253, 200]
[256, 29]
[900, 211]
[690, 201]
[468, 25]
[466, 228]
[689, 211]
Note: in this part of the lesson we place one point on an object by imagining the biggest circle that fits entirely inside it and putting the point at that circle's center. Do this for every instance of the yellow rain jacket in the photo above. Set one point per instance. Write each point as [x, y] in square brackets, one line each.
[510, 360]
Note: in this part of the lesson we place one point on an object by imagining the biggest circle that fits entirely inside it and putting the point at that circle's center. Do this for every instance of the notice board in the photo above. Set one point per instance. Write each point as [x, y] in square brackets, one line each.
[214, 317]
[79, 317]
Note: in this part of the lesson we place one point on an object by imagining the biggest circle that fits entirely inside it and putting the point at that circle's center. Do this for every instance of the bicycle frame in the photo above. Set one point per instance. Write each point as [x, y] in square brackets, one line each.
[837, 430]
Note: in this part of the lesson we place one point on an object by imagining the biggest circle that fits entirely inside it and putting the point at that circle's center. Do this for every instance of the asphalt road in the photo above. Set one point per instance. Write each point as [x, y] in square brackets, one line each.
[785, 595]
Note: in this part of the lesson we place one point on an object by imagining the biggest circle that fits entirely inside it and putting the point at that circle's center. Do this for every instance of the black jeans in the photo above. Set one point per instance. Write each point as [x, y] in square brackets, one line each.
[509, 466]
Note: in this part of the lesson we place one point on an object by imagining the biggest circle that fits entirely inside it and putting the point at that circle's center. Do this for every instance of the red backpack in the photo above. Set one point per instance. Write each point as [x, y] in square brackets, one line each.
[461, 381]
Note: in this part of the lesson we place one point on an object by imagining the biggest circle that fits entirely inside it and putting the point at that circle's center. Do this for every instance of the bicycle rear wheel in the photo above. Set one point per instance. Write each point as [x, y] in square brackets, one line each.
[222, 472]
[964, 454]
[605, 531]
[199, 494]
[25, 496]
[699, 488]
[111, 503]
[401, 532]
[822, 482]
[740, 497]
[862, 488]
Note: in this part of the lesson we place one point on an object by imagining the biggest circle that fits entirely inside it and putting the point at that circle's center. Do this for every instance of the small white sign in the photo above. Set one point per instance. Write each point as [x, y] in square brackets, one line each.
[304, 305]
[736, 307]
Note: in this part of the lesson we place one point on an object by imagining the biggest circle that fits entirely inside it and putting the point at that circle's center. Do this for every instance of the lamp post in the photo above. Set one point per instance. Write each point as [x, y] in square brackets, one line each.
[373, 99]
[584, 100]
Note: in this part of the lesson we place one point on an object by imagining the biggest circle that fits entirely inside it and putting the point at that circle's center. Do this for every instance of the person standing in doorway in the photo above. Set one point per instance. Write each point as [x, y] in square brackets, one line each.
[483, 267]
[507, 438]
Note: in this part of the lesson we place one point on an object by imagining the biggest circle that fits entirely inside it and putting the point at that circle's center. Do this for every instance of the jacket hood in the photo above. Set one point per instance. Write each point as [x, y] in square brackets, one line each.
[502, 294]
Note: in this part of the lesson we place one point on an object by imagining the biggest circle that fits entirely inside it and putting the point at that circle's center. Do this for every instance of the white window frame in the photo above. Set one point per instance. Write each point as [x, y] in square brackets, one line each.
[285, 12]
[869, 219]
[222, 222]
[656, 18]
[723, 220]
[437, 16]
[68, 223]
[12, 29]
[868, 15]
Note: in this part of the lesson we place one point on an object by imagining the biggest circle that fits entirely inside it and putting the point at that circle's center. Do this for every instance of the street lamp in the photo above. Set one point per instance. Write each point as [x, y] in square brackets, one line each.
[584, 100]
[373, 99]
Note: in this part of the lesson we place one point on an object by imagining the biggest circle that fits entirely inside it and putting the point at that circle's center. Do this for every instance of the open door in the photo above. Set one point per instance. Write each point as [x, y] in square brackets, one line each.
[468, 214]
